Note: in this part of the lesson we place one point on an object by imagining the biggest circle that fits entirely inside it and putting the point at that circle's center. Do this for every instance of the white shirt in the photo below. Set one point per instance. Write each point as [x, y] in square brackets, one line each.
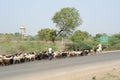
[50, 50]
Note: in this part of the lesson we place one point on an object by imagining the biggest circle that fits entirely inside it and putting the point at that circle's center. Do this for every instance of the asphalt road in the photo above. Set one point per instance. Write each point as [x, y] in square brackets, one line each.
[17, 71]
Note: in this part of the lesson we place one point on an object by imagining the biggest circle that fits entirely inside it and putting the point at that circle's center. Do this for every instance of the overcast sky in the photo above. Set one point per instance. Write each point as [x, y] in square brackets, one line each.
[99, 16]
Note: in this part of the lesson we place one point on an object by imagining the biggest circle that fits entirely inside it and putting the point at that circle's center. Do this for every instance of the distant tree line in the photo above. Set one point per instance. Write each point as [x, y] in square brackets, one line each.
[79, 39]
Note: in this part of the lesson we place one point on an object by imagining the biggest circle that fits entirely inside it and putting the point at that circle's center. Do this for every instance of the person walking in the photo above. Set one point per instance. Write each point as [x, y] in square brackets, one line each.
[50, 52]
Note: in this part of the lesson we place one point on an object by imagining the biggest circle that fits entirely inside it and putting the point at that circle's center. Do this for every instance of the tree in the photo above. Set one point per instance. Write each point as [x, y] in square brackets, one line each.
[81, 40]
[52, 35]
[67, 19]
[114, 41]
[79, 36]
[47, 34]
[100, 34]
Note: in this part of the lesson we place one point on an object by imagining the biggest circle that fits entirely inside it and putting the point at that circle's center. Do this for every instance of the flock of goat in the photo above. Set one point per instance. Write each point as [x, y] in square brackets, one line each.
[32, 56]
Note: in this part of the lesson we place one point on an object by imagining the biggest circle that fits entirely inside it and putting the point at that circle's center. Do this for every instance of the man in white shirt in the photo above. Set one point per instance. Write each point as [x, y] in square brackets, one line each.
[50, 53]
[49, 50]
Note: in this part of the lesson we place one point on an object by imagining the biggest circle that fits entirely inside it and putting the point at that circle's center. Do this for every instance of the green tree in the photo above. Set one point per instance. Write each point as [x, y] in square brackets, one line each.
[99, 35]
[79, 36]
[47, 34]
[52, 35]
[114, 41]
[67, 19]
[81, 40]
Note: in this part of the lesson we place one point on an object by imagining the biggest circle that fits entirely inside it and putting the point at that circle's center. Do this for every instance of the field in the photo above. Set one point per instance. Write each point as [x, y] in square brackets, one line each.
[26, 46]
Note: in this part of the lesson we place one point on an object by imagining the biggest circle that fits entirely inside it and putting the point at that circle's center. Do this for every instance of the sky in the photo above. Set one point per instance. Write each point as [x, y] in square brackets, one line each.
[99, 16]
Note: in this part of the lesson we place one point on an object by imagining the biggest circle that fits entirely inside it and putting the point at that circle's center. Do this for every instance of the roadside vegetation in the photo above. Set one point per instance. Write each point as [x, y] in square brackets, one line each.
[79, 40]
